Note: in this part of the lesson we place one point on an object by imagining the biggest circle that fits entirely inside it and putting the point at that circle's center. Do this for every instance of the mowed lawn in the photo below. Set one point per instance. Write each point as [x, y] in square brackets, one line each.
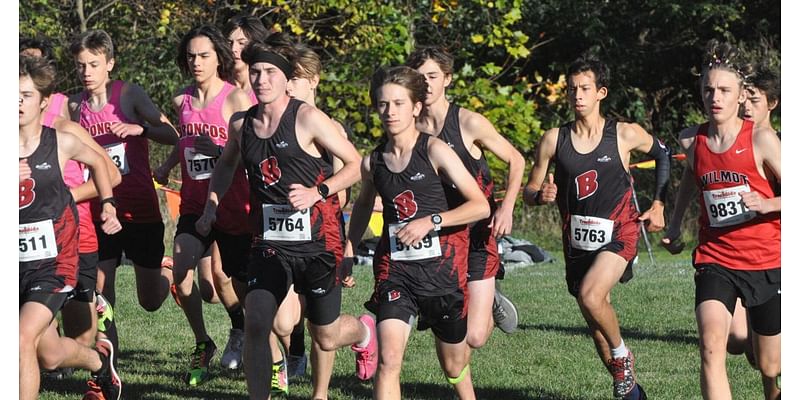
[549, 357]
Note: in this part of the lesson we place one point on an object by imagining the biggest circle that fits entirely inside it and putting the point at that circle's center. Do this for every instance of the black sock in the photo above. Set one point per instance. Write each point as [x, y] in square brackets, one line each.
[297, 345]
[237, 317]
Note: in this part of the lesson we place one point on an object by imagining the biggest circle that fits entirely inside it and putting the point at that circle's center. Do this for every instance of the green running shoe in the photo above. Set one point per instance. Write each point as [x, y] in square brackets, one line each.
[201, 359]
[105, 313]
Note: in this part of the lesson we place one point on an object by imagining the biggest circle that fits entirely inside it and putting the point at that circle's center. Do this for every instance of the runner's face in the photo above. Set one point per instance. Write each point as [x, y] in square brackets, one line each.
[583, 94]
[93, 69]
[238, 41]
[722, 95]
[301, 89]
[756, 107]
[396, 109]
[436, 79]
[31, 102]
[268, 81]
[202, 59]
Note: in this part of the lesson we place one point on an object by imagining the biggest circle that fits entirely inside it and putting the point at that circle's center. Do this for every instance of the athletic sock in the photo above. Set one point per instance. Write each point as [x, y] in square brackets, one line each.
[365, 342]
[297, 345]
[633, 394]
[620, 351]
[236, 315]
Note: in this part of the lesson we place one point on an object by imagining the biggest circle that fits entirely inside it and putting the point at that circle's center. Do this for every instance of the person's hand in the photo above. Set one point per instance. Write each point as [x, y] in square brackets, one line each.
[204, 145]
[654, 217]
[111, 224]
[413, 232]
[204, 223]
[161, 175]
[301, 197]
[24, 169]
[502, 221]
[755, 202]
[346, 272]
[123, 130]
[548, 192]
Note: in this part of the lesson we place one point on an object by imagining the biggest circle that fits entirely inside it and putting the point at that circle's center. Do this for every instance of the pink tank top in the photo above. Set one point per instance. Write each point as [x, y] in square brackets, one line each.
[136, 196]
[53, 110]
[196, 168]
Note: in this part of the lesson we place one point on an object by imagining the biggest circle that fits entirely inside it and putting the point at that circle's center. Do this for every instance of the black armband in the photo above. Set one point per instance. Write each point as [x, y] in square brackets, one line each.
[145, 130]
[663, 157]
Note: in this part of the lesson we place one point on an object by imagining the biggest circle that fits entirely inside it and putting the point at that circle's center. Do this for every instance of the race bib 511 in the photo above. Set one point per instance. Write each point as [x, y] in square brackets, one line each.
[37, 241]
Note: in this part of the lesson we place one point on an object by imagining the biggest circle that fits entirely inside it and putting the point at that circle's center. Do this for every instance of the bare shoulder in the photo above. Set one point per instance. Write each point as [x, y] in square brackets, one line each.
[766, 139]
[630, 130]
[239, 98]
[63, 125]
[339, 128]
[475, 124]
[177, 97]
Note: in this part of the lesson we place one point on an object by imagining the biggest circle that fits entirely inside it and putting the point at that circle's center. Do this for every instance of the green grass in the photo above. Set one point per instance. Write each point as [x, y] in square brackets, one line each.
[550, 357]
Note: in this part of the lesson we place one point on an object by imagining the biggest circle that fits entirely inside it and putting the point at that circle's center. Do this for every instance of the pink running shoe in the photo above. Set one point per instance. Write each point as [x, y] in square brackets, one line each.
[367, 357]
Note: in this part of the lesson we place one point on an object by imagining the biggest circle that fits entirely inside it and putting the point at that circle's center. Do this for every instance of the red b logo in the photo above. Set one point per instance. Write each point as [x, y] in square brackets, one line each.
[586, 184]
[405, 205]
[270, 171]
[26, 193]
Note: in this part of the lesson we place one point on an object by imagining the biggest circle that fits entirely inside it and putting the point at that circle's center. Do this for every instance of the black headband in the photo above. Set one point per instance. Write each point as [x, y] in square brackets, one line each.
[275, 59]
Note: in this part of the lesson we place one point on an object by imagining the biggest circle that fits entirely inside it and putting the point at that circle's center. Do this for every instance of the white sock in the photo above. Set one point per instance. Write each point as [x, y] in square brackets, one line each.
[620, 351]
[362, 344]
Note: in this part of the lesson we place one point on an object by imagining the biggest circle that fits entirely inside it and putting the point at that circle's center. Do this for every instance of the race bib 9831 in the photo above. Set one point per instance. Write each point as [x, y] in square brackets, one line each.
[725, 207]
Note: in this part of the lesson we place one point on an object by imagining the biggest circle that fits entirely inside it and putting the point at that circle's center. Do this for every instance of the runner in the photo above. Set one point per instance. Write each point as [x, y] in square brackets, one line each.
[592, 187]
[79, 317]
[205, 108]
[736, 165]
[121, 117]
[240, 31]
[420, 262]
[48, 236]
[469, 133]
[281, 141]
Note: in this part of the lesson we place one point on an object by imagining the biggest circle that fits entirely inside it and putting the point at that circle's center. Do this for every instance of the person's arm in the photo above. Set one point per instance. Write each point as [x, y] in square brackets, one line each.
[537, 190]
[72, 148]
[634, 137]
[362, 210]
[483, 132]
[318, 127]
[338, 164]
[222, 176]
[445, 161]
[767, 151]
[88, 189]
[158, 128]
[686, 193]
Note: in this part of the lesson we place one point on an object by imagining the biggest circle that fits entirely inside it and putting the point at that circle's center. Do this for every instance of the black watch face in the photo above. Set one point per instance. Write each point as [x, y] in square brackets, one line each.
[437, 219]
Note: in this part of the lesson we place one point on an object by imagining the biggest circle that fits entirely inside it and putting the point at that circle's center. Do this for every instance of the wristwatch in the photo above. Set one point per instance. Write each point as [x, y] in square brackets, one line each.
[110, 200]
[437, 222]
[323, 190]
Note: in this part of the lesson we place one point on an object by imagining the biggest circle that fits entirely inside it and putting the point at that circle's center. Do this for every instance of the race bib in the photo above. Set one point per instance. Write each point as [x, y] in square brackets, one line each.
[590, 233]
[37, 241]
[117, 153]
[199, 166]
[725, 207]
[428, 247]
[282, 222]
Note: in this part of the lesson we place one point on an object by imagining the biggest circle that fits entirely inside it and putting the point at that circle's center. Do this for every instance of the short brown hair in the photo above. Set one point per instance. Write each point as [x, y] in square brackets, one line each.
[41, 71]
[96, 41]
[436, 53]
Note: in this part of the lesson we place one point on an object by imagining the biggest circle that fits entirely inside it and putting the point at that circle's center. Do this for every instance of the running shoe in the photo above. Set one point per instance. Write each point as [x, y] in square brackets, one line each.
[367, 357]
[232, 356]
[622, 371]
[280, 378]
[201, 359]
[106, 378]
[297, 365]
[105, 313]
[504, 313]
[94, 392]
[167, 262]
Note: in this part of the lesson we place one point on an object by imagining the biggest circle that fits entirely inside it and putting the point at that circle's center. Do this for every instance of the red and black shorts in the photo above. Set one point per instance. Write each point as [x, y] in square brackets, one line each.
[143, 243]
[483, 260]
[578, 262]
[50, 281]
[313, 276]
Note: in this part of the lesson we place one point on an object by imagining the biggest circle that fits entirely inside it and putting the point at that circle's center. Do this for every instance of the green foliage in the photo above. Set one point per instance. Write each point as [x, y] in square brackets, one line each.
[511, 55]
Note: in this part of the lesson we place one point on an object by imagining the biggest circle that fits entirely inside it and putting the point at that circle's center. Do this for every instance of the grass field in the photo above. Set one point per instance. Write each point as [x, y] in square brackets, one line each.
[549, 357]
